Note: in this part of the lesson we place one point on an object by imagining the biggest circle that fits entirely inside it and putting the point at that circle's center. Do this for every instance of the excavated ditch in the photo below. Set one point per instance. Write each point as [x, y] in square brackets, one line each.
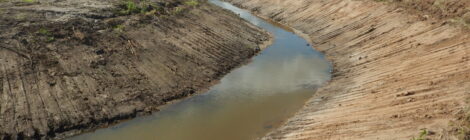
[401, 67]
[248, 102]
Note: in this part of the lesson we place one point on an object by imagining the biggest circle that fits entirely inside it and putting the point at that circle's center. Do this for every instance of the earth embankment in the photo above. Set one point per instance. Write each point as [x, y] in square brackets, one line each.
[400, 67]
[71, 66]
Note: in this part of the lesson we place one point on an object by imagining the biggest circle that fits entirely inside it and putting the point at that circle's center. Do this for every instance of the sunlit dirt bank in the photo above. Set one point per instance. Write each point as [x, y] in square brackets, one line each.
[67, 66]
[401, 68]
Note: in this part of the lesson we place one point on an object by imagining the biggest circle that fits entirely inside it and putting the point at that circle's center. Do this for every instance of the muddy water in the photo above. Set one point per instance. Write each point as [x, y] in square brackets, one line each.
[249, 102]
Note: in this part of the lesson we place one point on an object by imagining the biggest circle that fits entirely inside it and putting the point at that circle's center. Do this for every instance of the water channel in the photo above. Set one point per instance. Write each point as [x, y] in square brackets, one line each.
[247, 103]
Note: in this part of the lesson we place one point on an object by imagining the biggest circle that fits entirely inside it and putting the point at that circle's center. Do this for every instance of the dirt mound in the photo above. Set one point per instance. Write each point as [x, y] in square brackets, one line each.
[70, 66]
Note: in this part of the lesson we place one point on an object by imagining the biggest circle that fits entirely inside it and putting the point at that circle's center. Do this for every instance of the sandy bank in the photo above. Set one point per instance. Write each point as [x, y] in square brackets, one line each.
[397, 70]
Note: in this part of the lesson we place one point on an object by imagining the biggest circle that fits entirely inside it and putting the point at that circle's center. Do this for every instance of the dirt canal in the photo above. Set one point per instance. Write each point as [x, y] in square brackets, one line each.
[247, 103]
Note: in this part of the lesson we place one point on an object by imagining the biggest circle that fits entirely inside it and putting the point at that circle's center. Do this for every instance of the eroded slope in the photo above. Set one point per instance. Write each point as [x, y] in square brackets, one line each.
[396, 72]
[70, 66]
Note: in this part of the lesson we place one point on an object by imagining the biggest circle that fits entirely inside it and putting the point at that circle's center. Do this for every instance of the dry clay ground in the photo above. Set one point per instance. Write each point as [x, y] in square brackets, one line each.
[67, 66]
[401, 67]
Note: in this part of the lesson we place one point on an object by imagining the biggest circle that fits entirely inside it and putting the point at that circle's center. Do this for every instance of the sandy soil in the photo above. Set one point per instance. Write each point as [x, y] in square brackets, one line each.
[399, 70]
[74, 65]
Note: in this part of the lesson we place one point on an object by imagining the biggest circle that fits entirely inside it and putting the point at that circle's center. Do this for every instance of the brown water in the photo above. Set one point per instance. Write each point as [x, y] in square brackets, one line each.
[249, 102]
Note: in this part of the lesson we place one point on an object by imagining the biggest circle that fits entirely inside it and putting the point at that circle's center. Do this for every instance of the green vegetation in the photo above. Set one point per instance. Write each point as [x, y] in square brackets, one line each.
[187, 4]
[152, 12]
[462, 126]
[50, 39]
[464, 130]
[119, 28]
[131, 7]
[178, 10]
[192, 3]
[128, 7]
[48, 35]
[44, 31]
[29, 1]
[21, 16]
[422, 135]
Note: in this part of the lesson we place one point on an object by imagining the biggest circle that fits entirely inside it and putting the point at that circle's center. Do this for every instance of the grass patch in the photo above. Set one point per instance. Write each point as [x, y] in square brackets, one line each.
[192, 3]
[43, 31]
[422, 135]
[152, 12]
[178, 10]
[29, 1]
[462, 125]
[119, 28]
[49, 37]
[129, 7]
[146, 7]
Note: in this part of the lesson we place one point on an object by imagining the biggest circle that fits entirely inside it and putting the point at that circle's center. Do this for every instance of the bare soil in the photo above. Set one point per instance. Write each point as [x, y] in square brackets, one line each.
[69, 66]
[400, 68]
[442, 9]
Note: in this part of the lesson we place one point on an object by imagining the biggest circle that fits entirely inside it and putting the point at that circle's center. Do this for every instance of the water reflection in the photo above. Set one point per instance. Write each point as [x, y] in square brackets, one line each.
[277, 74]
[247, 103]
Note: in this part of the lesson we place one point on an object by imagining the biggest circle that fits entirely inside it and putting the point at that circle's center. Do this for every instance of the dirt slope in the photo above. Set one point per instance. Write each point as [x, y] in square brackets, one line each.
[395, 71]
[69, 66]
